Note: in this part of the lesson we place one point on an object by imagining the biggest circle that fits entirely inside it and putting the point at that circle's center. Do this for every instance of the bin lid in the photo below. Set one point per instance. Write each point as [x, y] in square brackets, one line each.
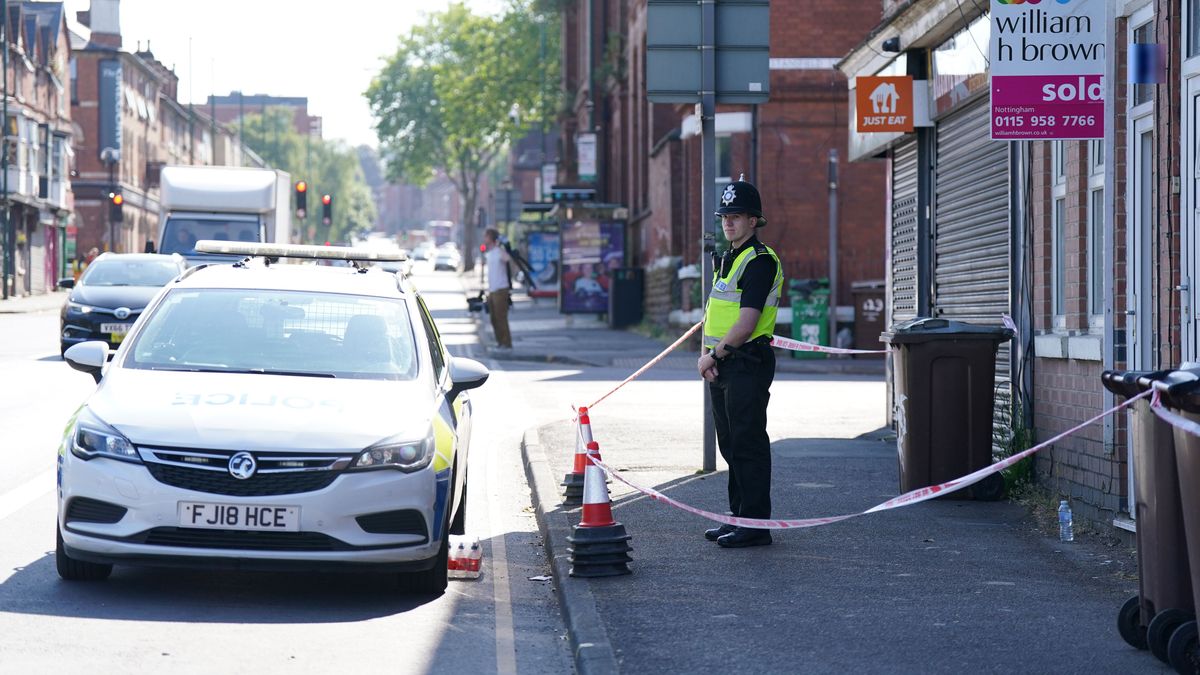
[1130, 382]
[928, 329]
[1181, 388]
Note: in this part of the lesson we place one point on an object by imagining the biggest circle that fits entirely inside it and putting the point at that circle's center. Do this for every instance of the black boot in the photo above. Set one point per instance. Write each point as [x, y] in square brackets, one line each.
[717, 532]
[745, 536]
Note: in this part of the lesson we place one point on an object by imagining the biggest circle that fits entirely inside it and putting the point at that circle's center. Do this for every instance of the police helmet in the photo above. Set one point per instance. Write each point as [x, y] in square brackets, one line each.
[741, 197]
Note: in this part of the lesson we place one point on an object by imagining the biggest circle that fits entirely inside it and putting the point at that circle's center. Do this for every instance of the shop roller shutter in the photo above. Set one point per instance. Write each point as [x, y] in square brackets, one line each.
[903, 263]
[972, 271]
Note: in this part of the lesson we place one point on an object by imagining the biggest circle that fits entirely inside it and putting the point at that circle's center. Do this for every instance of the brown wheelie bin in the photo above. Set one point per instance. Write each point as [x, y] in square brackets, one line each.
[944, 380]
[1164, 600]
[1183, 397]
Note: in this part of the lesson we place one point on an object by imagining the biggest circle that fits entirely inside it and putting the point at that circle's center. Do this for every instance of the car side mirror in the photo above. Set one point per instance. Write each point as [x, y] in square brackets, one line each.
[465, 374]
[88, 357]
[68, 283]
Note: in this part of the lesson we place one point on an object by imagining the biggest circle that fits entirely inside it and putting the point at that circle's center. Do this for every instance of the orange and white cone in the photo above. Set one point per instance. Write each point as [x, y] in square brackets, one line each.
[573, 482]
[599, 544]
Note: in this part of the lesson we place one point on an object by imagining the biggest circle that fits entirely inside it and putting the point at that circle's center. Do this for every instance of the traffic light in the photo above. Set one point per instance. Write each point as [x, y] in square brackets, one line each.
[301, 199]
[326, 209]
[115, 207]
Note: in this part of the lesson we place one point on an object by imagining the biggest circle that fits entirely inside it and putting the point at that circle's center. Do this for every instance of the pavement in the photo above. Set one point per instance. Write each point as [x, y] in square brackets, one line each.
[33, 303]
[946, 586]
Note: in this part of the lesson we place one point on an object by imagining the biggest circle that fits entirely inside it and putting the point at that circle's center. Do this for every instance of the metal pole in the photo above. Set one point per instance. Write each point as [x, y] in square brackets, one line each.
[833, 245]
[112, 230]
[708, 189]
[8, 233]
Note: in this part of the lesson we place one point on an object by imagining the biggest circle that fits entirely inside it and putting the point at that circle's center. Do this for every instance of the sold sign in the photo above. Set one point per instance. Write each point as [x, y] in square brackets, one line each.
[1047, 69]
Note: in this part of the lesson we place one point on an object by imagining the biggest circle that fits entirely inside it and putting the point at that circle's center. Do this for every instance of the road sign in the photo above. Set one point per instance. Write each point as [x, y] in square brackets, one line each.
[674, 36]
[507, 205]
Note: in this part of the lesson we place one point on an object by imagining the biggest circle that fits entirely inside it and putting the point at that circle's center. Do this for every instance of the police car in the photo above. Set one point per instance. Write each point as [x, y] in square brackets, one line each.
[264, 415]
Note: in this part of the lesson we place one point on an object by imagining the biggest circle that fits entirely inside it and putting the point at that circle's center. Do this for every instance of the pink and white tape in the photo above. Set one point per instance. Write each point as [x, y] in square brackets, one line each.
[798, 346]
[912, 497]
[1174, 419]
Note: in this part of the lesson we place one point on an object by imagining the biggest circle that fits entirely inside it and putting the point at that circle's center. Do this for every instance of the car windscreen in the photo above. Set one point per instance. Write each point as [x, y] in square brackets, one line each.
[117, 272]
[277, 332]
[181, 233]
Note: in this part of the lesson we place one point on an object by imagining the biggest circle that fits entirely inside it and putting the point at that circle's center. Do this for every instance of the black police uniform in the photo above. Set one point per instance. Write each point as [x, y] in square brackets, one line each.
[741, 392]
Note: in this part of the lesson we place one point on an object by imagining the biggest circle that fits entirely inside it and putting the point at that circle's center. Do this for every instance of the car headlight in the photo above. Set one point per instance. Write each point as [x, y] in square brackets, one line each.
[407, 456]
[79, 308]
[93, 438]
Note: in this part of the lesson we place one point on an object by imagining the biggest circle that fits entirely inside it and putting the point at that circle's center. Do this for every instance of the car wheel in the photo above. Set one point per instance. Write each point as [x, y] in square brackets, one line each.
[433, 580]
[77, 570]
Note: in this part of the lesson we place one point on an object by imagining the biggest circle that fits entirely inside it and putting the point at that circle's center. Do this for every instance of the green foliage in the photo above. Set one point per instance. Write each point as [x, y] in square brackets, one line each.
[459, 89]
[1019, 439]
[328, 167]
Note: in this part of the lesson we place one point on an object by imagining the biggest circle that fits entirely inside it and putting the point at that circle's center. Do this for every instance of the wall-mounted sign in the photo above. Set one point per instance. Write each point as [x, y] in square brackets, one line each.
[585, 151]
[1047, 69]
[883, 103]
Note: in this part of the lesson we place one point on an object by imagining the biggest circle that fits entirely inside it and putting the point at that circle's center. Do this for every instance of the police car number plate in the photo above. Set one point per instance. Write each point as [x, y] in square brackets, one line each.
[253, 517]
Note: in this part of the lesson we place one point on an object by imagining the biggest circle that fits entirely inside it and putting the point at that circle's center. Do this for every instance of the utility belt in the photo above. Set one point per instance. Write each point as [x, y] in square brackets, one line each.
[749, 350]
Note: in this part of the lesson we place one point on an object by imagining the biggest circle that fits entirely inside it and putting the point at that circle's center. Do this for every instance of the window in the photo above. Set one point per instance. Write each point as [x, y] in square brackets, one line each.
[435, 343]
[1095, 233]
[1145, 34]
[1193, 30]
[1058, 255]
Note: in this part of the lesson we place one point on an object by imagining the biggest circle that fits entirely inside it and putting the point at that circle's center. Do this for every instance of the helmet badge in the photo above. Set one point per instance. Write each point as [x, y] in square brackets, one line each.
[728, 196]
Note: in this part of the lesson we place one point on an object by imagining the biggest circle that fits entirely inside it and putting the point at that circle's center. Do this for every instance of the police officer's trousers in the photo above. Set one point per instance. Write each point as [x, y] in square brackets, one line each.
[739, 401]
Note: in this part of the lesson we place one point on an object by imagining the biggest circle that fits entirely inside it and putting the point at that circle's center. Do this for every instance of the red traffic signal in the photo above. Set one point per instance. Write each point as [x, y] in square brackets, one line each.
[301, 186]
[483, 248]
[326, 209]
[326, 200]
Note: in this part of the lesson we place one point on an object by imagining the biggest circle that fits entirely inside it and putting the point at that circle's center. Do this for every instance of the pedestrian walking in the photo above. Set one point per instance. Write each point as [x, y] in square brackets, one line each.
[498, 286]
[737, 361]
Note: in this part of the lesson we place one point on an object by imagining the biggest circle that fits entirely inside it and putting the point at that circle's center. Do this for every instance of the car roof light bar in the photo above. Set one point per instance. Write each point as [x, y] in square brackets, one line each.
[296, 251]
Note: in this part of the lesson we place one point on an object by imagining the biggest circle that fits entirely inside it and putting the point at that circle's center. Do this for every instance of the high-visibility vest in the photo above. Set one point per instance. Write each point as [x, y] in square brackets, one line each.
[725, 298]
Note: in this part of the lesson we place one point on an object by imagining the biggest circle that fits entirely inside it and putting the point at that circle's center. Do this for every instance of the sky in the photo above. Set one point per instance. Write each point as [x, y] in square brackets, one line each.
[327, 51]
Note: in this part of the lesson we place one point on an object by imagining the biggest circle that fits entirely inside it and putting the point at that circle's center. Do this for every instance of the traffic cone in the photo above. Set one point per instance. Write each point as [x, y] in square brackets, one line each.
[573, 482]
[599, 544]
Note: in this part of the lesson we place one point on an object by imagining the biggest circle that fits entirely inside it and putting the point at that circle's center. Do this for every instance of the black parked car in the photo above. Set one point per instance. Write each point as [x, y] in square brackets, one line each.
[111, 294]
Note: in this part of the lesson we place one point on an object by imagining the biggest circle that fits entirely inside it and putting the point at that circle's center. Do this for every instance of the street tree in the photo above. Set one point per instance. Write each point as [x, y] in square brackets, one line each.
[458, 90]
[329, 167]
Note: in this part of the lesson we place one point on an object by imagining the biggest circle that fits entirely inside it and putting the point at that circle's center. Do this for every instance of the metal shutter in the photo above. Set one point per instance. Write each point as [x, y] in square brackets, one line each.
[903, 263]
[972, 271]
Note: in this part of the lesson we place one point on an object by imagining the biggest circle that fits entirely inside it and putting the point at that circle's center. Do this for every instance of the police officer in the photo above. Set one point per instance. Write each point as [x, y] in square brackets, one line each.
[738, 363]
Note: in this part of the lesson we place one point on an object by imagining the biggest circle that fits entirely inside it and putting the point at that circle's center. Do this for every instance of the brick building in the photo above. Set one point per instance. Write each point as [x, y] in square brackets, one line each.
[129, 124]
[1089, 245]
[229, 109]
[648, 155]
[38, 138]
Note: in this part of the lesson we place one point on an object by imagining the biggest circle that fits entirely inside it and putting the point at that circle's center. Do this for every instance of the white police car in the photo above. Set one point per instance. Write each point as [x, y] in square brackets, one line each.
[266, 416]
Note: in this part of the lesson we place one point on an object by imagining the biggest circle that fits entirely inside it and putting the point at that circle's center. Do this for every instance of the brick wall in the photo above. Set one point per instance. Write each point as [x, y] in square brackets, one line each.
[662, 294]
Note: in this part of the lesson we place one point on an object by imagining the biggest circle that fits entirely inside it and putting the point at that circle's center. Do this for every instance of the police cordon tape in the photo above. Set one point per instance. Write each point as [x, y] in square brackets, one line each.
[1171, 418]
[776, 341]
[911, 497]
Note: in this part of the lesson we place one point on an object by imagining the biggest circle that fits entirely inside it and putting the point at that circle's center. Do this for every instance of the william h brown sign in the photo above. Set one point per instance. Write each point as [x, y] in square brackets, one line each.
[884, 103]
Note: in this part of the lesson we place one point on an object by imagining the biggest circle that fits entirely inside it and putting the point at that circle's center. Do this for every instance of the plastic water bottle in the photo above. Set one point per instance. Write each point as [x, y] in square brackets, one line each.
[457, 564]
[1066, 527]
[474, 561]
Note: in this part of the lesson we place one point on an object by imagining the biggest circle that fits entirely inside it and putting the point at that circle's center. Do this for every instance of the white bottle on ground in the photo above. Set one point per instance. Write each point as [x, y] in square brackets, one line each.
[474, 561]
[458, 562]
[1066, 525]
